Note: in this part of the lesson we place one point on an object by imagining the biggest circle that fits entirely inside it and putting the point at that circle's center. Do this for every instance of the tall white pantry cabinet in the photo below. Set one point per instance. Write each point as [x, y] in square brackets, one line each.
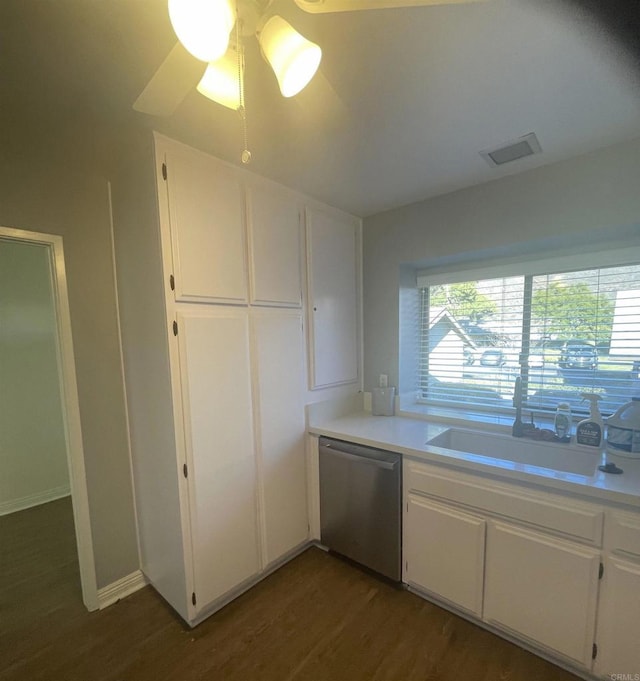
[212, 274]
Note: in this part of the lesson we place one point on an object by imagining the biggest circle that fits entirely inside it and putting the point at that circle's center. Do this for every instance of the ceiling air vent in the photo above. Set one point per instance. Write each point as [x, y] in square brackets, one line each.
[512, 151]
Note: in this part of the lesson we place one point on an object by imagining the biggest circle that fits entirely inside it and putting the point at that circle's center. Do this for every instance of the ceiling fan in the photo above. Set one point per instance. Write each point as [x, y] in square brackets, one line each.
[209, 54]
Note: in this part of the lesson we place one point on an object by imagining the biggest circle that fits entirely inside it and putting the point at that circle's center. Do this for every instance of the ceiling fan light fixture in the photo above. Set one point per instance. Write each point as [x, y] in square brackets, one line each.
[293, 58]
[203, 26]
[220, 81]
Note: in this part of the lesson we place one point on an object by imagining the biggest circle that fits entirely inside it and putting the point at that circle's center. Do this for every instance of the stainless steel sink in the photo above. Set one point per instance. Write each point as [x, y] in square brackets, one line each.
[552, 456]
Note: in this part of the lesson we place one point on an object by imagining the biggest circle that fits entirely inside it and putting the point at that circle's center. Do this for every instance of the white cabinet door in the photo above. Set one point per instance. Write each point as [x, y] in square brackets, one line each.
[333, 299]
[542, 588]
[216, 392]
[444, 552]
[278, 347]
[206, 214]
[273, 221]
[619, 621]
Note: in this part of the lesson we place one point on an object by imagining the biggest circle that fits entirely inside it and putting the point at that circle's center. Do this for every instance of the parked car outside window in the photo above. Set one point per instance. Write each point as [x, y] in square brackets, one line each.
[493, 358]
[578, 355]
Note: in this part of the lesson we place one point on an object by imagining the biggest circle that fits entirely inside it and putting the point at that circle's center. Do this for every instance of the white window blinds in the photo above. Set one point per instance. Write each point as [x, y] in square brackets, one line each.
[564, 332]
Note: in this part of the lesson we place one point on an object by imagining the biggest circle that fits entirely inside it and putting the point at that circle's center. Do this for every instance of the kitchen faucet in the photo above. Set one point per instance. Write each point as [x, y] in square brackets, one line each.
[517, 430]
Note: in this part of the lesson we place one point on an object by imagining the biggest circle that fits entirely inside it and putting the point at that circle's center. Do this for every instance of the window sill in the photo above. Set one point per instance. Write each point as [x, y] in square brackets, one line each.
[465, 417]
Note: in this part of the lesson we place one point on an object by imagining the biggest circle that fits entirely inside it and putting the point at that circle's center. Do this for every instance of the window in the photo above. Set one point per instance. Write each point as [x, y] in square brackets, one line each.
[564, 330]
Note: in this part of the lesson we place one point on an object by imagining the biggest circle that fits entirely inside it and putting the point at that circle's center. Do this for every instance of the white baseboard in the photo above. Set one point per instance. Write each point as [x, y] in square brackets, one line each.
[109, 595]
[23, 503]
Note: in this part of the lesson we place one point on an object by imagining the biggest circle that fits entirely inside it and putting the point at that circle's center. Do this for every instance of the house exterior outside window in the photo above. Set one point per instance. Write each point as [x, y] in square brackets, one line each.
[564, 330]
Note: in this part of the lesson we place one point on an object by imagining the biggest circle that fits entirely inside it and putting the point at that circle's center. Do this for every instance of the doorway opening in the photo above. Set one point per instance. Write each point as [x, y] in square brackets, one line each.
[42, 458]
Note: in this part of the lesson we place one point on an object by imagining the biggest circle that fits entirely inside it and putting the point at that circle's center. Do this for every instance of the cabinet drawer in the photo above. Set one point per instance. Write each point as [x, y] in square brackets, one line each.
[623, 533]
[545, 510]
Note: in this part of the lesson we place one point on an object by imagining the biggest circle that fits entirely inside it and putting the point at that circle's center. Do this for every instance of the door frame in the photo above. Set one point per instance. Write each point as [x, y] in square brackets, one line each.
[70, 406]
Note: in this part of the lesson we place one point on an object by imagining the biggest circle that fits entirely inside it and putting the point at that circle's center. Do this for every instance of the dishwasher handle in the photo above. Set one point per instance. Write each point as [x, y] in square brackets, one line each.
[377, 463]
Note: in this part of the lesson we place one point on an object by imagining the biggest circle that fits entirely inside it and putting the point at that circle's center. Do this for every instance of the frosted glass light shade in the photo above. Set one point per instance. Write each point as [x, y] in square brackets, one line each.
[203, 26]
[293, 58]
[220, 81]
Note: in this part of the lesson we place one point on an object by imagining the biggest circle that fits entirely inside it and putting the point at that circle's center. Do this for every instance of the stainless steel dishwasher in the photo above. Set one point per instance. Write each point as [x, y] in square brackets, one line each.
[360, 505]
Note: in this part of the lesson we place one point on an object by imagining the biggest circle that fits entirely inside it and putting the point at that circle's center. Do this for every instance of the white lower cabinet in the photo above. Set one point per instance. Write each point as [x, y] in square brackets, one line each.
[241, 384]
[542, 588]
[619, 611]
[219, 448]
[444, 552]
[619, 620]
[279, 397]
[527, 562]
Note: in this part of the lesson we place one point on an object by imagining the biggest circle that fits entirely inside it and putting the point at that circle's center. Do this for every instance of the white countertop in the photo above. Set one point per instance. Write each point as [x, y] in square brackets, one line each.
[408, 436]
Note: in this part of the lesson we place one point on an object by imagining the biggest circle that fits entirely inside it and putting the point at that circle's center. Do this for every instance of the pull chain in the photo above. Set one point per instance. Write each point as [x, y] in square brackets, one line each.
[246, 154]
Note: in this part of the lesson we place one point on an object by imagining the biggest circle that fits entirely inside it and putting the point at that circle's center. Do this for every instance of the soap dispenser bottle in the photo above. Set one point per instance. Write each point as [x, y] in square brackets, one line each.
[589, 430]
[562, 422]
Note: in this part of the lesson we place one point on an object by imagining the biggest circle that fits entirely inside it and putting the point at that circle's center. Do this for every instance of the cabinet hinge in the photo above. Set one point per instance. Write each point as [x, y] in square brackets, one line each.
[406, 566]
[175, 328]
[594, 652]
[193, 598]
[601, 571]
[172, 282]
[185, 470]
[407, 507]
[164, 171]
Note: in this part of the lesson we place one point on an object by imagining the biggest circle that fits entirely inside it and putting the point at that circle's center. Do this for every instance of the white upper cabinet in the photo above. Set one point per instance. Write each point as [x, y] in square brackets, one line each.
[206, 214]
[332, 270]
[273, 225]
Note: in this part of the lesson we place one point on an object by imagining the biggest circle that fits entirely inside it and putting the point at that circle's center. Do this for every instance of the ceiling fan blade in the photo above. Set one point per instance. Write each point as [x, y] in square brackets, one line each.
[321, 104]
[178, 75]
[325, 6]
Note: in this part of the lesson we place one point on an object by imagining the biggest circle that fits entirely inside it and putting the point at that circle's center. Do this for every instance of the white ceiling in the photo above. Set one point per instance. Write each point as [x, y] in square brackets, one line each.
[405, 99]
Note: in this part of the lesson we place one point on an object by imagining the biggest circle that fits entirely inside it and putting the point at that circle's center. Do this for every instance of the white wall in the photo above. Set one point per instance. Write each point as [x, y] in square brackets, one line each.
[54, 191]
[33, 456]
[592, 199]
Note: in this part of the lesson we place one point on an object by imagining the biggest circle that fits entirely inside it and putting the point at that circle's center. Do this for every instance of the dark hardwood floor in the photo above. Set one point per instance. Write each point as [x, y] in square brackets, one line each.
[315, 619]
